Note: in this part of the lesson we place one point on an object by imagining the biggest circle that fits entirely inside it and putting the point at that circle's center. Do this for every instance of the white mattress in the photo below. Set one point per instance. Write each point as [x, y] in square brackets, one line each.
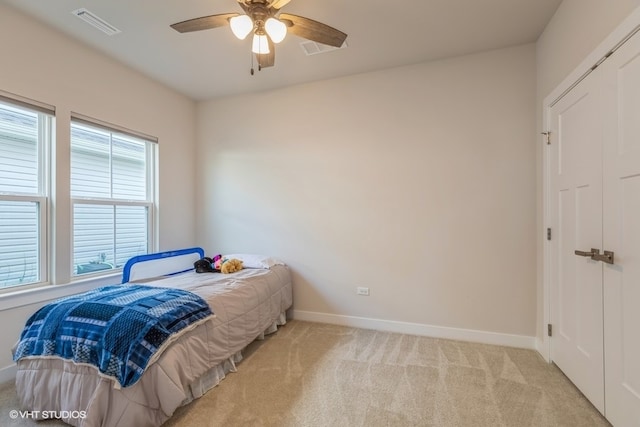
[246, 305]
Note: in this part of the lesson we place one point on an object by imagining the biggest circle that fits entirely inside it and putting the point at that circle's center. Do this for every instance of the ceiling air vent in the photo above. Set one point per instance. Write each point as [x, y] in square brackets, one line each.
[312, 48]
[96, 21]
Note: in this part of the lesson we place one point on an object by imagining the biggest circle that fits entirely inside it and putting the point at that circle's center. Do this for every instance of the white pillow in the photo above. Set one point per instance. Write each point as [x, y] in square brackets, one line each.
[255, 260]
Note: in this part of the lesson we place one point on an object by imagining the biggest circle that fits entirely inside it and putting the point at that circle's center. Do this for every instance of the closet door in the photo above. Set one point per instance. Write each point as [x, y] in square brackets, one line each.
[576, 221]
[622, 234]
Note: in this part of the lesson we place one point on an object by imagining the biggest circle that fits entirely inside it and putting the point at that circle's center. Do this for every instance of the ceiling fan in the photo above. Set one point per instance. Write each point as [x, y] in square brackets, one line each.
[269, 26]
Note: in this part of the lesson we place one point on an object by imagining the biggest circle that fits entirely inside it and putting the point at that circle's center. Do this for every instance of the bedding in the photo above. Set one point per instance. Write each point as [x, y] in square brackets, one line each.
[118, 329]
[255, 260]
[247, 305]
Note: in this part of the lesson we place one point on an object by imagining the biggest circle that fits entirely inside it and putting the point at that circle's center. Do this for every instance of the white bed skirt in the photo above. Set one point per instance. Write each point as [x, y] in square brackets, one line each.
[213, 376]
[180, 375]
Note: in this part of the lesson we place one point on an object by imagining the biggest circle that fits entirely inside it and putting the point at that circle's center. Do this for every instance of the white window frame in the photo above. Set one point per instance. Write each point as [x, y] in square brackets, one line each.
[46, 120]
[150, 203]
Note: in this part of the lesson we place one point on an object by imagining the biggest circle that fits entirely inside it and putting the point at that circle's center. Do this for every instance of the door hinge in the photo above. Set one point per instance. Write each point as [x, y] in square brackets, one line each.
[548, 135]
[548, 234]
[549, 330]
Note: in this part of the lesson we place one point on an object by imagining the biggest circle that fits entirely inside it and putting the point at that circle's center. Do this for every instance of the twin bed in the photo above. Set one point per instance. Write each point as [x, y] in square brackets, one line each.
[246, 305]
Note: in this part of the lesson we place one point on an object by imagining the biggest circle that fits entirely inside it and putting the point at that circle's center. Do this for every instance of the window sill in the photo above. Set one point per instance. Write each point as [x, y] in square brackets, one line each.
[20, 298]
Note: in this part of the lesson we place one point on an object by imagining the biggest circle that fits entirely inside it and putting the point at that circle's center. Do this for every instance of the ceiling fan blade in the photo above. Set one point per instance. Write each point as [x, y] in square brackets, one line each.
[203, 23]
[279, 4]
[242, 4]
[267, 59]
[313, 30]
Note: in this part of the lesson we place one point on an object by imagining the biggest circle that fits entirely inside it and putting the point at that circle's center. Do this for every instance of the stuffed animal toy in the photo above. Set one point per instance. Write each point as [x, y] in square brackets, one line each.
[230, 266]
[208, 265]
[204, 266]
[217, 262]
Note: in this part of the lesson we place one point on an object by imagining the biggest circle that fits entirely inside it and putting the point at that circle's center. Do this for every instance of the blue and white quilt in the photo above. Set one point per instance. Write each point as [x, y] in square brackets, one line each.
[116, 328]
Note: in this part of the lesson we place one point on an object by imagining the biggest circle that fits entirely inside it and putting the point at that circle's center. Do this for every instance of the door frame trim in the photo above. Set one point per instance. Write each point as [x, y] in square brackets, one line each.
[615, 39]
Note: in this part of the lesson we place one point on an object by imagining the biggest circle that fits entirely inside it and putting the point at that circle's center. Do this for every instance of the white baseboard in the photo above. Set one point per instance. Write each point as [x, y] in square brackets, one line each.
[8, 373]
[520, 341]
[543, 348]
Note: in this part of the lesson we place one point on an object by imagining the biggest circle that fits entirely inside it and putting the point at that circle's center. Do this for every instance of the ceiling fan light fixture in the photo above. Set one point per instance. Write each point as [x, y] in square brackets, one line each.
[241, 26]
[260, 44]
[276, 29]
[268, 25]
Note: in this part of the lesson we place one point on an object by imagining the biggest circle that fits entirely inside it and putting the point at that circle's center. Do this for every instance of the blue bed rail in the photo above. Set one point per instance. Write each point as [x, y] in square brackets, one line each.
[126, 273]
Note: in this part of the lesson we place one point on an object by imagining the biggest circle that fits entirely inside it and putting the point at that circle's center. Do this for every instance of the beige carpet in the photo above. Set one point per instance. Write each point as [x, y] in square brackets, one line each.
[310, 374]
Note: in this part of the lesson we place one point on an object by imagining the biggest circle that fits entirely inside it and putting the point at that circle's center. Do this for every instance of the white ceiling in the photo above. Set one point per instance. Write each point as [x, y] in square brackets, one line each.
[212, 63]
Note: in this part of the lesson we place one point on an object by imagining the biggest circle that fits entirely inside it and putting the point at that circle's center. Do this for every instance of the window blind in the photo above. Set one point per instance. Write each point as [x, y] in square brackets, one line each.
[95, 123]
[29, 104]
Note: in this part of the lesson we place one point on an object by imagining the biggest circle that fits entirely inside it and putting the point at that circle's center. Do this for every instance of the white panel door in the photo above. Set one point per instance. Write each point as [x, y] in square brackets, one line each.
[622, 234]
[576, 222]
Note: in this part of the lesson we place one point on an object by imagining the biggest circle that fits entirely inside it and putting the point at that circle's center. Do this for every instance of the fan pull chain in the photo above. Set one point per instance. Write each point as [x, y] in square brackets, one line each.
[259, 65]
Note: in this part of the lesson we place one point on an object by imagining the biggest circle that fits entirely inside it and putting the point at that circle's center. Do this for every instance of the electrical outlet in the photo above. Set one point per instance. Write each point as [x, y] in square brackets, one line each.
[362, 291]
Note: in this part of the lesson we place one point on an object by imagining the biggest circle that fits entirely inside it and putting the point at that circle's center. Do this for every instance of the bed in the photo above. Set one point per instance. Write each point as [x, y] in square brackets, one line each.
[246, 305]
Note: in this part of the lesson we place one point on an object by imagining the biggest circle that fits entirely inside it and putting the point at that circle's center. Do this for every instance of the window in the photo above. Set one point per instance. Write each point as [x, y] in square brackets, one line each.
[25, 138]
[112, 194]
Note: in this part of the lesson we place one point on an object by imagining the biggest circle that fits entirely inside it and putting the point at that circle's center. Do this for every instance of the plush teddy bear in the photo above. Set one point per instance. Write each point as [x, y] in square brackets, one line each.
[231, 266]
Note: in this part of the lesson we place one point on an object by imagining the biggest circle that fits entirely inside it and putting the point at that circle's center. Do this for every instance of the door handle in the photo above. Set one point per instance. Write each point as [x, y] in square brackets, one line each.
[593, 253]
[607, 257]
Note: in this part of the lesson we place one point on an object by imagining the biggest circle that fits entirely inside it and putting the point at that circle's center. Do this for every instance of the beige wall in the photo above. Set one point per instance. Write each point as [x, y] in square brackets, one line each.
[44, 65]
[576, 29]
[417, 182]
